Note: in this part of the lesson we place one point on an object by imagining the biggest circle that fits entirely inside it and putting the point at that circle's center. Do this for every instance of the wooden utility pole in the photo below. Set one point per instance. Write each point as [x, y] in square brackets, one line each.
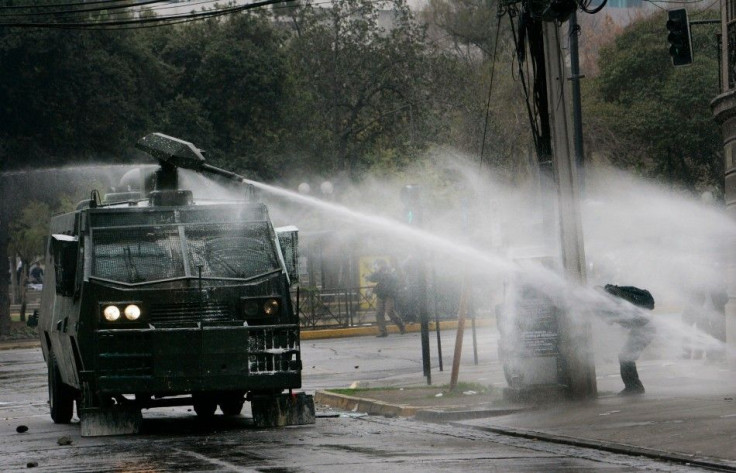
[461, 315]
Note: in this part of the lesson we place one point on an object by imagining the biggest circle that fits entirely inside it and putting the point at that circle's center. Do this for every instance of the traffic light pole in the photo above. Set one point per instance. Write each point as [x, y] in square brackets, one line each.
[577, 114]
[410, 195]
[424, 320]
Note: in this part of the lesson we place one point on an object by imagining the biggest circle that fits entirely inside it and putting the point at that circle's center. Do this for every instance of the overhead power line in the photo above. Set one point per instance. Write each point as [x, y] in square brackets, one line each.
[59, 5]
[117, 6]
[142, 22]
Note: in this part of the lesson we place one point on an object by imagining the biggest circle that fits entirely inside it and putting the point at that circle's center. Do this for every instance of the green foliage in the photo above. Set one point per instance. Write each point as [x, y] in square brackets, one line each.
[348, 89]
[28, 230]
[360, 85]
[229, 87]
[467, 22]
[646, 114]
[73, 93]
[467, 67]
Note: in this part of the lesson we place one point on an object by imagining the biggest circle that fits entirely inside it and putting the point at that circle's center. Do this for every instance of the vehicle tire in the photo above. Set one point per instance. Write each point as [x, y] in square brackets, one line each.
[232, 404]
[204, 405]
[61, 396]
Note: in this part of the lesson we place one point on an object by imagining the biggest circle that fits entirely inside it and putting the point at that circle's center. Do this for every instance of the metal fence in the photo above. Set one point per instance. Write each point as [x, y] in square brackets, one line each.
[339, 307]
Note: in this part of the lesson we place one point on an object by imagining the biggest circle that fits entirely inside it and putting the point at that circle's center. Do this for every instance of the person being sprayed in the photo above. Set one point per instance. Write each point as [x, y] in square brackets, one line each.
[641, 334]
[386, 288]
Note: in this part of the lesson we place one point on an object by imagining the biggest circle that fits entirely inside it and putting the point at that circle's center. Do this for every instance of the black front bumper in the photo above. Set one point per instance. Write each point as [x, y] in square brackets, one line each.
[197, 359]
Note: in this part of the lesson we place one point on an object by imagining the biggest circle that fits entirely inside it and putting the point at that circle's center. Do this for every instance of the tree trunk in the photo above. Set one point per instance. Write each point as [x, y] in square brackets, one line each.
[23, 291]
[4, 265]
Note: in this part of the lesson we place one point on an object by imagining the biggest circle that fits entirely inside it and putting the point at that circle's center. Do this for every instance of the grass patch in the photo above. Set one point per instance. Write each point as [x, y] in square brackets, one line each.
[355, 391]
[464, 394]
[460, 388]
[19, 331]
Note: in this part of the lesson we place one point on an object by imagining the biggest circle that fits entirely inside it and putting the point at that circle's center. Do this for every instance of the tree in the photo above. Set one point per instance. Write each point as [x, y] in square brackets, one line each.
[596, 31]
[645, 114]
[467, 23]
[229, 83]
[472, 66]
[27, 233]
[71, 94]
[360, 73]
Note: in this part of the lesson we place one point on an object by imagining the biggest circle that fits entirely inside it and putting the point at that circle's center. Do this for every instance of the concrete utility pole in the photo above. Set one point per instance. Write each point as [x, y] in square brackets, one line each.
[574, 330]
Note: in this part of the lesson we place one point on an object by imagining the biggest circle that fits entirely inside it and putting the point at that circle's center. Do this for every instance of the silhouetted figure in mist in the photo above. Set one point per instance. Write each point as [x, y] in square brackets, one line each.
[641, 333]
[36, 274]
[386, 289]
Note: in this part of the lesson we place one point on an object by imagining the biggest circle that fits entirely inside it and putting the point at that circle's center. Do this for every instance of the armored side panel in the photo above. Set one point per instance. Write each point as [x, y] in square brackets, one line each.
[59, 312]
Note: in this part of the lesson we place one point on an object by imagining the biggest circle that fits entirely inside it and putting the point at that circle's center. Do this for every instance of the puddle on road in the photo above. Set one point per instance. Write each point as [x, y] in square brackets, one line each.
[363, 450]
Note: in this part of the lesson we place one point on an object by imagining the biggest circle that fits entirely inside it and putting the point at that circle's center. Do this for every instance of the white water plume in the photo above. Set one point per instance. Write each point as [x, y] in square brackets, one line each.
[636, 234]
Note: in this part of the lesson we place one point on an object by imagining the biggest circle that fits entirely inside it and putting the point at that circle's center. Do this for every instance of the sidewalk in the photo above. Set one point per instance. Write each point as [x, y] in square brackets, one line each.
[688, 414]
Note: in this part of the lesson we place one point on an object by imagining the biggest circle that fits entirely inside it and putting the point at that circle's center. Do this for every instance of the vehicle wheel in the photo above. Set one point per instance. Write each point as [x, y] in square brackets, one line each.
[232, 404]
[61, 396]
[205, 406]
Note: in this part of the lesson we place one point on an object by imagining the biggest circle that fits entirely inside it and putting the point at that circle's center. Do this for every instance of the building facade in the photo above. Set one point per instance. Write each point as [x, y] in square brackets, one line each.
[724, 110]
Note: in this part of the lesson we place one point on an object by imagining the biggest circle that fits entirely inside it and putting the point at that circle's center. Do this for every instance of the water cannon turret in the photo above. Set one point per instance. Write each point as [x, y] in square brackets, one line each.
[173, 153]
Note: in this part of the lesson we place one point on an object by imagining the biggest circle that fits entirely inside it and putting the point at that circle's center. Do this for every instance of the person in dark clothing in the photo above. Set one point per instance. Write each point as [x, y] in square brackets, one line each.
[641, 334]
[36, 274]
[387, 285]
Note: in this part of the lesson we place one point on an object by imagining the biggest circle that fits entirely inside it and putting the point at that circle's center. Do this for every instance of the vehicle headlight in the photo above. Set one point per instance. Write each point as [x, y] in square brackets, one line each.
[271, 307]
[132, 312]
[251, 309]
[111, 313]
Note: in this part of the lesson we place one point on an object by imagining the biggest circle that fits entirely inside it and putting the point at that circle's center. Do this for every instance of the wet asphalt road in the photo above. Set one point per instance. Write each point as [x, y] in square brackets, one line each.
[174, 440]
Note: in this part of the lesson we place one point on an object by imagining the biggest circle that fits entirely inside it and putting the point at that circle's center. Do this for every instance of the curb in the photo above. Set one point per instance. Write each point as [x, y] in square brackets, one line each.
[16, 344]
[368, 406]
[442, 417]
[372, 330]
[613, 447]
[421, 413]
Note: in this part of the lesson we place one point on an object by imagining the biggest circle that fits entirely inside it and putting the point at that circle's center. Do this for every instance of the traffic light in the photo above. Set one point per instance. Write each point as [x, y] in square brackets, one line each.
[681, 46]
[410, 196]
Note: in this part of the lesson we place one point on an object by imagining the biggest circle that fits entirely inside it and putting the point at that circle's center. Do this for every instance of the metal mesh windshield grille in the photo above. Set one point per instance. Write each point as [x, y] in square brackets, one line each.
[136, 255]
[151, 253]
[231, 250]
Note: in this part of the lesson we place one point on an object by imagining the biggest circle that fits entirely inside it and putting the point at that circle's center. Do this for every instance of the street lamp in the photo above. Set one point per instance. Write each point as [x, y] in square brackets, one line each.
[304, 188]
[326, 188]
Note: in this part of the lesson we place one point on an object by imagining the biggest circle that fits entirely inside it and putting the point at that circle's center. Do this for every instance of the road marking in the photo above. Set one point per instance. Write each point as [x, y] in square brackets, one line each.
[214, 461]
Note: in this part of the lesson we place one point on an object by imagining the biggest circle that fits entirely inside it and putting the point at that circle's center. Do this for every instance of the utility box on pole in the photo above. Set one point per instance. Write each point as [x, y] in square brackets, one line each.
[529, 347]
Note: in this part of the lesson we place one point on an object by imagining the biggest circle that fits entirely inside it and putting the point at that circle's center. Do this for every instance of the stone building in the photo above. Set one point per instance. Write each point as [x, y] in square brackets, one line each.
[724, 110]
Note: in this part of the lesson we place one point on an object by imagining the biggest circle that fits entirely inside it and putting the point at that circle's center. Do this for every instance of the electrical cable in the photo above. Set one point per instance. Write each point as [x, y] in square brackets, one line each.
[141, 21]
[84, 10]
[58, 5]
[558, 45]
[681, 2]
[94, 27]
[521, 59]
[703, 10]
[584, 6]
[159, 21]
[490, 89]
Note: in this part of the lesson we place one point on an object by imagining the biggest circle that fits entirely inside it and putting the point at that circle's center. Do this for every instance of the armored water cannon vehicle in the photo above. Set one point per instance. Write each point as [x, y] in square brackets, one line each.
[159, 300]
